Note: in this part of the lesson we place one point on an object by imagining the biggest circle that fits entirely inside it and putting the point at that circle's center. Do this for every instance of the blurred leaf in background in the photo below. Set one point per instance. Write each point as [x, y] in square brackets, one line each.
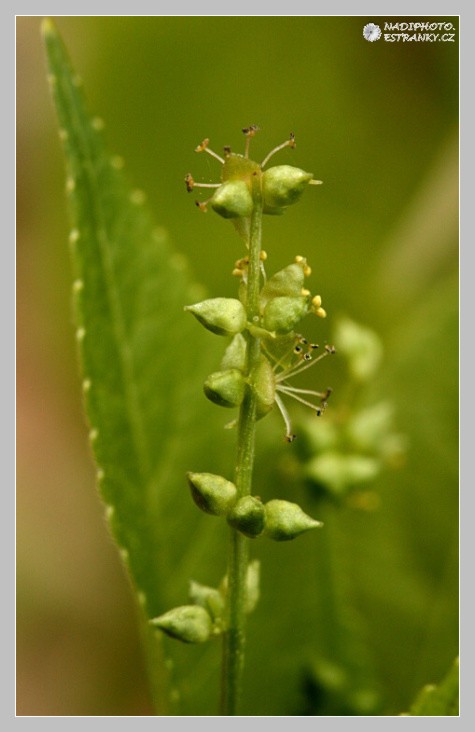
[378, 123]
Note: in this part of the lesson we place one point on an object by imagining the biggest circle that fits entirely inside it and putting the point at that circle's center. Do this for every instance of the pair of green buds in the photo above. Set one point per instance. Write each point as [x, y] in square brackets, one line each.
[206, 617]
[279, 186]
[277, 519]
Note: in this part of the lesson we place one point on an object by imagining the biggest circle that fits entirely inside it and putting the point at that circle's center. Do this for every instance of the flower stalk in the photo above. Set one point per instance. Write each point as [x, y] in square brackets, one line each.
[263, 354]
[234, 637]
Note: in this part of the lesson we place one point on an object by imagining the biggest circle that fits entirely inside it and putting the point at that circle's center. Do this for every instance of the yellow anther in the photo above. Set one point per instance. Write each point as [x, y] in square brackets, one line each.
[307, 270]
[304, 292]
[263, 255]
[299, 259]
[321, 313]
[317, 301]
[203, 145]
[237, 272]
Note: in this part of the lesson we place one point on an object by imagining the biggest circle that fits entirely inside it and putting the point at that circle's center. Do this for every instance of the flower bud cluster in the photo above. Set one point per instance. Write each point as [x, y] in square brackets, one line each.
[205, 616]
[234, 198]
[283, 303]
[270, 321]
[276, 519]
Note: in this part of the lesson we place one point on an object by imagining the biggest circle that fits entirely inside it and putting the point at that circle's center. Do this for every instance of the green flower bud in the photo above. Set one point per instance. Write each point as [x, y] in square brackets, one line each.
[248, 516]
[212, 493]
[285, 520]
[263, 384]
[188, 623]
[288, 281]
[338, 472]
[208, 597]
[235, 354]
[221, 315]
[232, 200]
[225, 388]
[253, 576]
[283, 185]
[282, 314]
[361, 346]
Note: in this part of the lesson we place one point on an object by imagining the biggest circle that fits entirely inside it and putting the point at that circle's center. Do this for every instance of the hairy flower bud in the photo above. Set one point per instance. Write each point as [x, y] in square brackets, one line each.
[283, 185]
[232, 200]
[282, 314]
[248, 516]
[212, 493]
[225, 388]
[285, 520]
[187, 623]
[221, 315]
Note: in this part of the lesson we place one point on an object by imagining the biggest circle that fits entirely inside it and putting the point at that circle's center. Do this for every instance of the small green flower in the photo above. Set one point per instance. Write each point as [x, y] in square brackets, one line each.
[225, 388]
[248, 516]
[283, 185]
[232, 200]
[212, 493]
[285, 520]
[283, 314]
[279, 187]
[224, 316]
[188, 623]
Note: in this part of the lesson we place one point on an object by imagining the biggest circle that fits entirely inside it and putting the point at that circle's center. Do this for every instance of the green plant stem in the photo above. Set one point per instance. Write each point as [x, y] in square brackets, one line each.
[238, 558]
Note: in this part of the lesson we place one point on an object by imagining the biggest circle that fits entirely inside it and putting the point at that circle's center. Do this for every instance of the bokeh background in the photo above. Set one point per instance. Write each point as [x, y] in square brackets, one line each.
[378, 123]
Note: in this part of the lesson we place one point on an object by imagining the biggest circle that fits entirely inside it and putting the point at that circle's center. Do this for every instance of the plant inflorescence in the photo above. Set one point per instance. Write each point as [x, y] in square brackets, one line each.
[265, 351]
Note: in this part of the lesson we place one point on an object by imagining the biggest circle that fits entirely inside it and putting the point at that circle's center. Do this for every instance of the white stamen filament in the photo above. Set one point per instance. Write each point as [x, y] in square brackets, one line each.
[299, 367]
[206, 185]
[312, 392]
[214, 155]
[287, 143]
[284, 413]
[282, 389]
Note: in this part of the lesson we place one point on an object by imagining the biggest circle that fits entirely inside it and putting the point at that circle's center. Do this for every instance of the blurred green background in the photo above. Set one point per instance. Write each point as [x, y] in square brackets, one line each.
[378, 123]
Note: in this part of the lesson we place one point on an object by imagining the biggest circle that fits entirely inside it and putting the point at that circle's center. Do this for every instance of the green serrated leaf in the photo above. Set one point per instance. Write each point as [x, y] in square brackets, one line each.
[129, 292]
[440, 700]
